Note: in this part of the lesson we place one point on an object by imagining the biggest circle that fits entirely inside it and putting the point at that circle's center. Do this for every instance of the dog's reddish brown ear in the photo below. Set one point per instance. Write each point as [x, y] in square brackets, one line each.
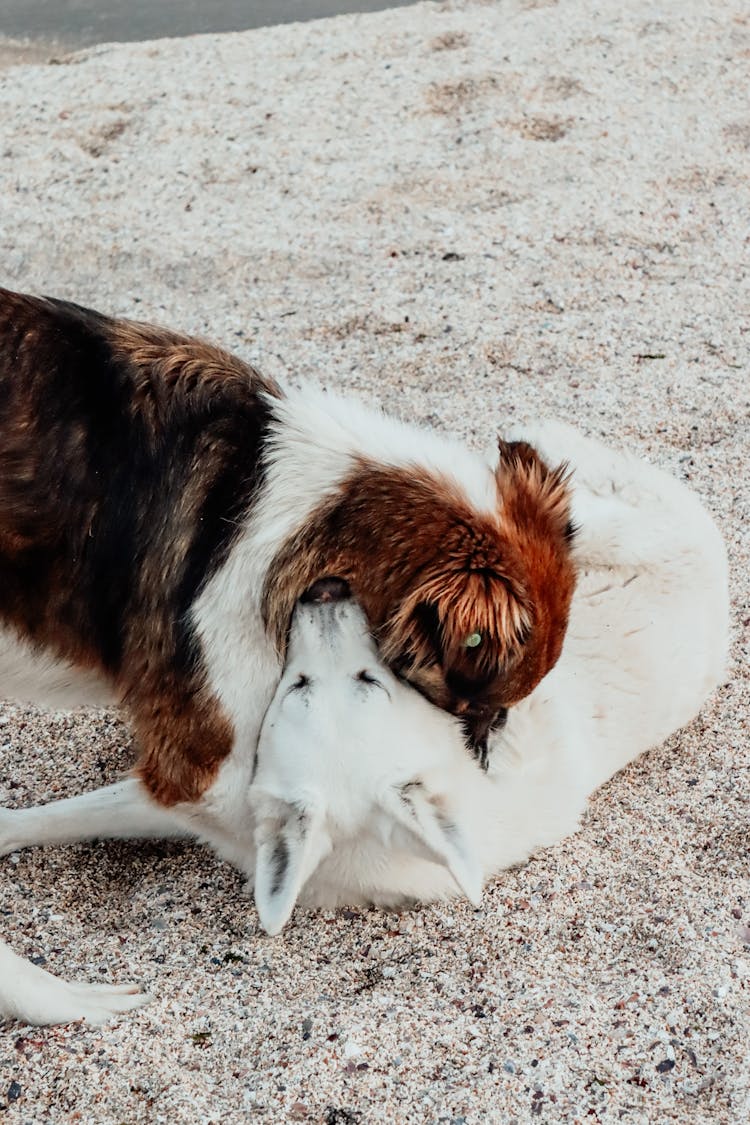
[535, 513]
[515, 453]
[532, 489]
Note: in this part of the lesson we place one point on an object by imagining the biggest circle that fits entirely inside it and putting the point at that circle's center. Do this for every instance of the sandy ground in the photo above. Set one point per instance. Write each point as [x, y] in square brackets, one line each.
[469, 212]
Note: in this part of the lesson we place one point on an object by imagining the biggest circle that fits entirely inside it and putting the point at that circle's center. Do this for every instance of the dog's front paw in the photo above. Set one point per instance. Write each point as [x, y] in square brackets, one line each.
[10, 837]
[54, 1001]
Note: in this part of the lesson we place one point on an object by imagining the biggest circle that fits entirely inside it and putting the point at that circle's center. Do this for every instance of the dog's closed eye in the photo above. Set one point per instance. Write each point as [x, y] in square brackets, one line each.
[365, 677]
[299, 684]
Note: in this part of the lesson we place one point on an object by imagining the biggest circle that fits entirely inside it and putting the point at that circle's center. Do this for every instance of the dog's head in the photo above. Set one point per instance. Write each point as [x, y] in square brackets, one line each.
[469, 605]
[486, 618]
[347, 752]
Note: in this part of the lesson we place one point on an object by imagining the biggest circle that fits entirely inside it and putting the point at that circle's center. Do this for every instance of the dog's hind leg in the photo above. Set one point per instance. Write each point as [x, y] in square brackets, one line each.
[120, 811]
[33, 995]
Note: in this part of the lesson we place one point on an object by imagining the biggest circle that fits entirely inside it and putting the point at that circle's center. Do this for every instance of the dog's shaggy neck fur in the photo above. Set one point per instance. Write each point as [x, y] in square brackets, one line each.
[158, 497]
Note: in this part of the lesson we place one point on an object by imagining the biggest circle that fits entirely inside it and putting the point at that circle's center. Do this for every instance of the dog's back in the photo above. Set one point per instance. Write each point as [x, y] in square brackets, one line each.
[119, 446]
[650, 623]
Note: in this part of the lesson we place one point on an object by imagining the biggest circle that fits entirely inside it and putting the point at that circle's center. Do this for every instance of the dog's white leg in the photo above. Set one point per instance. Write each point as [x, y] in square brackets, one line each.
[119, 811]
[33, 995]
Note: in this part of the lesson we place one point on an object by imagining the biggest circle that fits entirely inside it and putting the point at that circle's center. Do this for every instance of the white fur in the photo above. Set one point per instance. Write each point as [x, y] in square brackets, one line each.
[347, 753]
[33, 995]
[319, 432]
[34, 675]
[646, 644]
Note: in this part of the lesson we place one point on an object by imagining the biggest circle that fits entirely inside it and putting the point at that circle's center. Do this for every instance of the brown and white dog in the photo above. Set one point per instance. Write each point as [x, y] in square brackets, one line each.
[163, 507]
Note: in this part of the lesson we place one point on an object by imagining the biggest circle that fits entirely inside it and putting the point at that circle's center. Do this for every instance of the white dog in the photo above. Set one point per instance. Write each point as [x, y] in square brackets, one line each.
[363, 791]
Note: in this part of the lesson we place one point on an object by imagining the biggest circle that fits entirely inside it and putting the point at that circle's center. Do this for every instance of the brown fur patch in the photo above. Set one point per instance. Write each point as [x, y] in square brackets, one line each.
[429, 571]
[535, 511]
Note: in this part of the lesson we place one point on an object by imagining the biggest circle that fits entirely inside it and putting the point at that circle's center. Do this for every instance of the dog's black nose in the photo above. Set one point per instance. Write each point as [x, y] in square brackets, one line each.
[330, 589]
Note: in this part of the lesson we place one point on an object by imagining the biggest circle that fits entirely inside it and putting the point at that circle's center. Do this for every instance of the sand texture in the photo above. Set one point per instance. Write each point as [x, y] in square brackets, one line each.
[471, 213]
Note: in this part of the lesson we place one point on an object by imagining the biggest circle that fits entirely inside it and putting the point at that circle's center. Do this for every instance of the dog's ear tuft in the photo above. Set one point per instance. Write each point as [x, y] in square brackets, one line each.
[524, 479]
[514, 454]
[426, 818]
[290, 843]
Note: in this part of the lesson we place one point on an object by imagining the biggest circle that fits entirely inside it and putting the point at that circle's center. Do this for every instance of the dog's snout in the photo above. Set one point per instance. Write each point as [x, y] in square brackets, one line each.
[329, 589]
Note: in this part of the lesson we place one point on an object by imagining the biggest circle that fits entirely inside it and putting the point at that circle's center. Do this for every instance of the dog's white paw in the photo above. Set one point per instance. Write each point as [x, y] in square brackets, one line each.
[54, 1001]
[10, 837]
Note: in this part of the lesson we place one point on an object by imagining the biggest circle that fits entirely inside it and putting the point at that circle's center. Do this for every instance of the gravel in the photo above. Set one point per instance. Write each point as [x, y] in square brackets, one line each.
[469, 212]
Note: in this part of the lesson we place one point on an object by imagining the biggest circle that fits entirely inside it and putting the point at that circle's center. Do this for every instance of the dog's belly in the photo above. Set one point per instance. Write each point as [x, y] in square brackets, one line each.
[36, 676]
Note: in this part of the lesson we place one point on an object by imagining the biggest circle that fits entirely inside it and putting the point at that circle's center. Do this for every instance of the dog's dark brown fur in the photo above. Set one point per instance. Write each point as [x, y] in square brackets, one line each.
[126, 455]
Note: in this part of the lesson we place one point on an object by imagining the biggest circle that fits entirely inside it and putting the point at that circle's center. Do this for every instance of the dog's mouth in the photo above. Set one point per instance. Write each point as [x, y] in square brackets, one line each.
[328, 589]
